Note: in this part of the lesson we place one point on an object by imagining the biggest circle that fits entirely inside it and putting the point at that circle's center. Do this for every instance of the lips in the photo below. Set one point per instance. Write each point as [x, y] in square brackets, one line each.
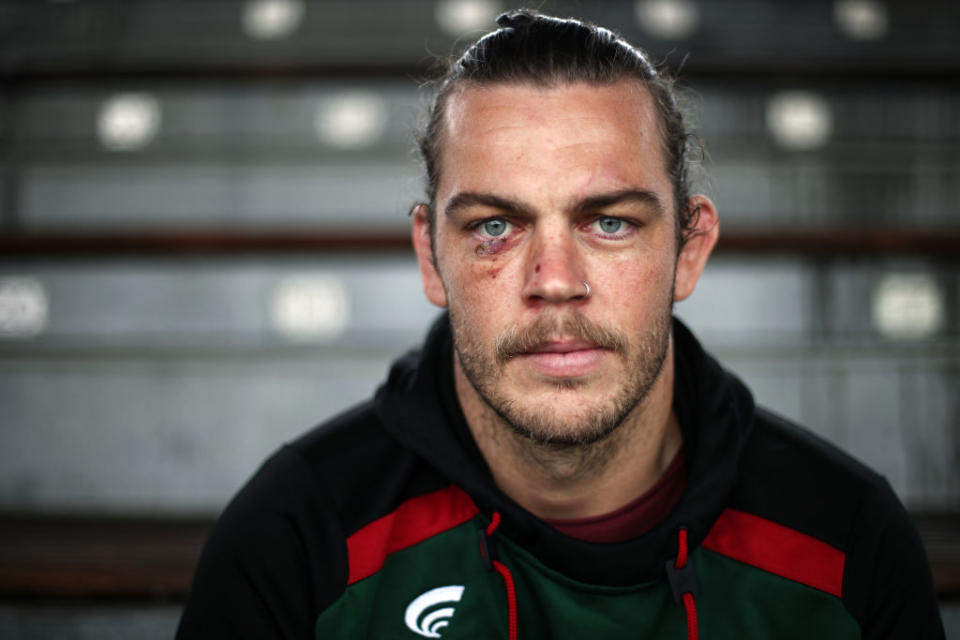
[563, 346]
[564, 358]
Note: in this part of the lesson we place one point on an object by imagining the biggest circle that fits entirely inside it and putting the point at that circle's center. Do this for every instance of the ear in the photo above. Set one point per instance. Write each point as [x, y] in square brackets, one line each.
[701, 240]
[432, 284]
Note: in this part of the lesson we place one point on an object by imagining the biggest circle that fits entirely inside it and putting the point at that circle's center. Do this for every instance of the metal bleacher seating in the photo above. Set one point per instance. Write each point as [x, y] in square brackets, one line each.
[203, 253]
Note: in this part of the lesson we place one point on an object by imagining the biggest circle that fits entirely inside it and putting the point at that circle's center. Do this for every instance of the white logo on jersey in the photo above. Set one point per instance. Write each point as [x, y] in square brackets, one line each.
[429, 624]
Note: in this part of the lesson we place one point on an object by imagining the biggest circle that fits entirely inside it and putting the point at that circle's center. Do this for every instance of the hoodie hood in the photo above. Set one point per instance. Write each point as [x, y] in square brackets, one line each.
[418, 406]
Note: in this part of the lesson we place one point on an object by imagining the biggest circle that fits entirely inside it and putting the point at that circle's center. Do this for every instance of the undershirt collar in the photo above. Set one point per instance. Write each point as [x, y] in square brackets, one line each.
[636, 517]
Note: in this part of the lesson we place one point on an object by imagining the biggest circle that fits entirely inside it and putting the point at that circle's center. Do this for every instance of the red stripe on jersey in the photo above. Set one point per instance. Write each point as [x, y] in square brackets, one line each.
[778, 549]
[413, 521]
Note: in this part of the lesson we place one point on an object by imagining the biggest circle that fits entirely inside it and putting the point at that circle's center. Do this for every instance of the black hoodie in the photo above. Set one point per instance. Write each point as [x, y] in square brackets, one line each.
[765, 501]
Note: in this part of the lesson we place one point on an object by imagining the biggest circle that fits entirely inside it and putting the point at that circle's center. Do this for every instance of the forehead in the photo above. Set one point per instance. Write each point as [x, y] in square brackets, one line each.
[567, 137]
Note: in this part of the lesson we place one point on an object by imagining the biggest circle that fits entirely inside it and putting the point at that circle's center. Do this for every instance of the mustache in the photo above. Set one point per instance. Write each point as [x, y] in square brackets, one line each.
[572, 326]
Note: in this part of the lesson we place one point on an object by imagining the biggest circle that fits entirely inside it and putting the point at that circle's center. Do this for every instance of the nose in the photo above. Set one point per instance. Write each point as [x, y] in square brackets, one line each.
[555, 270]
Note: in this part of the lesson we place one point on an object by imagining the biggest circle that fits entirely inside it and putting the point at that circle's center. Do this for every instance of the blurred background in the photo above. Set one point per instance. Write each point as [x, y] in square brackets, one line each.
[203, 252]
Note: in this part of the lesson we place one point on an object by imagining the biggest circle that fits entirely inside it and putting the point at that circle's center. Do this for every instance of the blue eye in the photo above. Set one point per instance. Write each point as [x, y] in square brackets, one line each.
[610, 225]
[495, 227]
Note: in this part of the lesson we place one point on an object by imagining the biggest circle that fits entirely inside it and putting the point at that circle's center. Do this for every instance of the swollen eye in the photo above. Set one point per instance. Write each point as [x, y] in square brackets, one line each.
[494, 227]
[610, 225]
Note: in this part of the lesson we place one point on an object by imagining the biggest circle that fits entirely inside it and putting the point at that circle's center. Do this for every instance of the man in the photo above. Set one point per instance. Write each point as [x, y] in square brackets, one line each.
[562, 459]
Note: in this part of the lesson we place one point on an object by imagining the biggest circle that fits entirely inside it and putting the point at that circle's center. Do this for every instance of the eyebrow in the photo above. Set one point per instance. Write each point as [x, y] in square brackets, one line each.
[604, 200]
[467, 199]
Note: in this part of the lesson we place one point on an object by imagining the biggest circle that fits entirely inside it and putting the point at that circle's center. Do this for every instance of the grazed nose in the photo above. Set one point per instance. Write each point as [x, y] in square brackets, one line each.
[555, 270]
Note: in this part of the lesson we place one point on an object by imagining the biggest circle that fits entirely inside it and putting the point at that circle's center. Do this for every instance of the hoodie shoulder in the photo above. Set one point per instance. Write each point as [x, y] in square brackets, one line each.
[278, 553]
[271, 561]
[796, 479]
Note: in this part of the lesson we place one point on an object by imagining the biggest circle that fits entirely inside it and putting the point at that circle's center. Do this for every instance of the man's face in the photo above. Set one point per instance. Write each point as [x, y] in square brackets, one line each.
[541, 191]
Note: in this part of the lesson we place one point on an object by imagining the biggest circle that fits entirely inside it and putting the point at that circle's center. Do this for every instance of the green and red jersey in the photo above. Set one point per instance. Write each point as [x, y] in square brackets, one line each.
[386, 523]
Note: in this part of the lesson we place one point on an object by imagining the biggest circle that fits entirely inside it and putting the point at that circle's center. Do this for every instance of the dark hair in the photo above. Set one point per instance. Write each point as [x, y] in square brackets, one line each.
[542, 50]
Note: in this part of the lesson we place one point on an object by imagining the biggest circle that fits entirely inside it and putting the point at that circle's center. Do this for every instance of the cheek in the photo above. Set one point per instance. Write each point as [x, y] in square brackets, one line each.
[634, 284]
[479, 283]
[487, 270]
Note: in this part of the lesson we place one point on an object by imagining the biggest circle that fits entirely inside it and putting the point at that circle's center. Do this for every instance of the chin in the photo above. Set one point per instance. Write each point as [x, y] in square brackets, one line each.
[554, 423]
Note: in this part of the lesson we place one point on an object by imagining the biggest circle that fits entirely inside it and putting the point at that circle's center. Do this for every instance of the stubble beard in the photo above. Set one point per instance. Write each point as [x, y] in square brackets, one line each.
[539, 421]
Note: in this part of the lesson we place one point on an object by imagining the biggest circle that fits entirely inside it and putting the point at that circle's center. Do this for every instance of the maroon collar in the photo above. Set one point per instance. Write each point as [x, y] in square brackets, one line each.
[636, 517]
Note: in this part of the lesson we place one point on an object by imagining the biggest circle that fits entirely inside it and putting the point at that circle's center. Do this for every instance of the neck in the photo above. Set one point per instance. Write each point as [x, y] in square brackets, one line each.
[566, 482]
